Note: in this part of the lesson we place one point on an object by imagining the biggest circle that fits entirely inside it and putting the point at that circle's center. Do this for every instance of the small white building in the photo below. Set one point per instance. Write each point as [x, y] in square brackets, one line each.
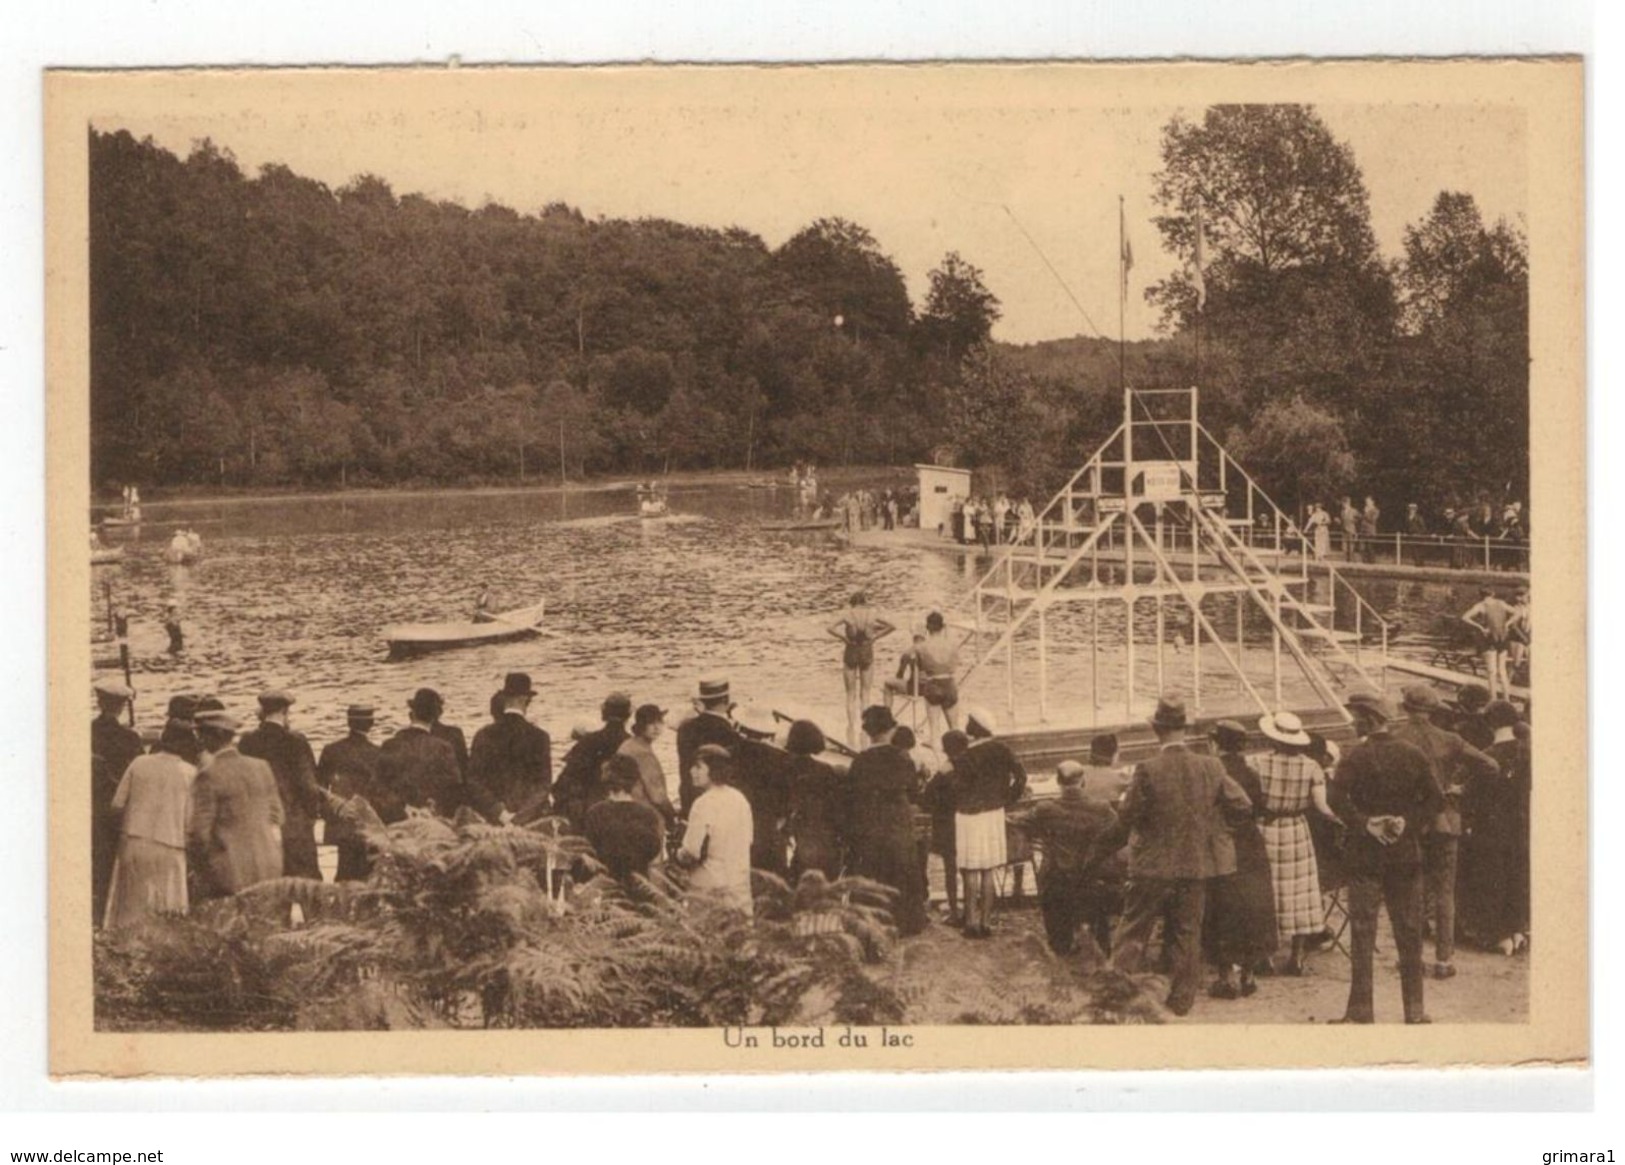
[939, 486]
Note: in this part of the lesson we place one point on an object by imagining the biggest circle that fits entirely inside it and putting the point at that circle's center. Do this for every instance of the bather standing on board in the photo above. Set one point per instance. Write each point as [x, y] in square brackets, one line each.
[859, 629]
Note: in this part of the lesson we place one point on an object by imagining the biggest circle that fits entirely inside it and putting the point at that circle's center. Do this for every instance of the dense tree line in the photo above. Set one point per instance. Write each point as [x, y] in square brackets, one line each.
[268, 329]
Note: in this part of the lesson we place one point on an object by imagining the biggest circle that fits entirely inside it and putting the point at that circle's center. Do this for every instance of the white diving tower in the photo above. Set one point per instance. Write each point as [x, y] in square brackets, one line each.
[1162, 564]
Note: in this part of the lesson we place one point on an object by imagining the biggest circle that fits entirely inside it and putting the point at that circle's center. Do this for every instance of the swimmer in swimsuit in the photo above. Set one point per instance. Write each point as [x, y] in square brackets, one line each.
[1493, 620]
[939, 660]
[858, 629]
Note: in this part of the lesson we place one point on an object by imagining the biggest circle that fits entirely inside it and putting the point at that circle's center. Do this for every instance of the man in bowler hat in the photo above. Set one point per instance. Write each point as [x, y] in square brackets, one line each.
[1178, 811]
[510, 766]
[416, 769]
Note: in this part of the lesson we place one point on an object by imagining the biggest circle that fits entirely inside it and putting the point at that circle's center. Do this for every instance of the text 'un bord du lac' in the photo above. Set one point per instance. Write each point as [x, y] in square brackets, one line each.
[845, 1037]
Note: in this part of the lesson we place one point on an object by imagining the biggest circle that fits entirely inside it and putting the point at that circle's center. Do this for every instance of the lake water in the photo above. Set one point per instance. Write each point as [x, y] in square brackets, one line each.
[293, 593]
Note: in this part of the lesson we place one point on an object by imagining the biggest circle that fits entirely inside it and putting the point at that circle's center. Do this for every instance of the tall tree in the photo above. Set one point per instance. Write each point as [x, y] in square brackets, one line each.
[959, 311]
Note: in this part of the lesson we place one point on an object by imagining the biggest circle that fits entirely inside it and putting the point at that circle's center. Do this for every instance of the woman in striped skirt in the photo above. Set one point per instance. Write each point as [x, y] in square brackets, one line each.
[1293, 784]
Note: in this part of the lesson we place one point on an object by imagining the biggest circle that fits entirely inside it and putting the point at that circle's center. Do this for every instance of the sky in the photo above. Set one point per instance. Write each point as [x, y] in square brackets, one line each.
[1009, 175]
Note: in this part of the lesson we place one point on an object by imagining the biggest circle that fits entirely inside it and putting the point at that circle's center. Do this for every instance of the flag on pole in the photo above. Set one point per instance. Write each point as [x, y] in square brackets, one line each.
[1127, 258]
[1198, 280]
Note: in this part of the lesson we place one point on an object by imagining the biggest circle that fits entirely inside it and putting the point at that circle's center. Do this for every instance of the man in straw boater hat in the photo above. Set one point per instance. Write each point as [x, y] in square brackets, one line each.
[234, 837]
[1178, 811]
[291, 759]
[711, 724]
[347, 768]
[1455, 764]
[112, 747]
[416, 769]
[1385, 793]
[510, 766]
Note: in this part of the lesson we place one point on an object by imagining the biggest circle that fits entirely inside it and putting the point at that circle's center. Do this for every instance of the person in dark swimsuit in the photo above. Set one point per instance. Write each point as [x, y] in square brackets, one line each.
[858, 630]
[1492, 619]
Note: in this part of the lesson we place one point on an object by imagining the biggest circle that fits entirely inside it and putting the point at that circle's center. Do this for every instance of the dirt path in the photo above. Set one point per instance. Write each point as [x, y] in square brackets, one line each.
[1014, 978]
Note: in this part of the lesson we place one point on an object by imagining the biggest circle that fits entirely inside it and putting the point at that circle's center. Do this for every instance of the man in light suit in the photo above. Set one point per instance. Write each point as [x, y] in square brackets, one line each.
[1178, 811]
[235, 835]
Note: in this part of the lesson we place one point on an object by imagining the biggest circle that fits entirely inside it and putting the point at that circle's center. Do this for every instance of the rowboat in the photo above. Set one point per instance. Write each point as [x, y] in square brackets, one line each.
[653, 507]
[415, 638]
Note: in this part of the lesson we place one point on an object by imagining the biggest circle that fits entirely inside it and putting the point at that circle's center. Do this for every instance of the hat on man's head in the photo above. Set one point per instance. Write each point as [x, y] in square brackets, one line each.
[877, 718]
[207, 704]
[979, 722]
[1230, 735]
[1501, 714]
[114, 689]
[181, 707]
[1420, 698]
[616, 706]
[1069, 772]
[648, 714]
[1170, 713]
[516, 684]
[1103, 747]
[713, 691]
[1372, 702]
[1472, 697]
[219, 720]
[274, 700]
[1284, 727]
[954, 742]
[755, 720]
[426, 704]
[360, 714]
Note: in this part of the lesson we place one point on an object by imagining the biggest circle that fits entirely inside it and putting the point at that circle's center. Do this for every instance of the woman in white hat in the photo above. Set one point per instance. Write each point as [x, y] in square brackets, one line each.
[1293, 784]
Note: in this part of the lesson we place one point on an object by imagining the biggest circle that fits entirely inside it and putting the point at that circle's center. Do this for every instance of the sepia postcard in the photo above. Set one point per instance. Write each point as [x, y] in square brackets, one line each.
[644, 569]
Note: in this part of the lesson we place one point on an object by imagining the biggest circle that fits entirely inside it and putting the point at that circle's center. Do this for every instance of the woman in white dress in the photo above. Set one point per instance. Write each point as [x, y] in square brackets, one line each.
[154, 800]
[716, 844]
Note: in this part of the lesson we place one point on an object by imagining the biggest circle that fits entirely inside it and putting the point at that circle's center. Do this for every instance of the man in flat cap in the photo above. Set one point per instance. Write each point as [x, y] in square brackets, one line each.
[1455, 764]
[291, 759]
[349, 768]
[416, 769]
[1385, 793]
[1178, 810]
[510, 767]
[1073, 832]
[113, 745]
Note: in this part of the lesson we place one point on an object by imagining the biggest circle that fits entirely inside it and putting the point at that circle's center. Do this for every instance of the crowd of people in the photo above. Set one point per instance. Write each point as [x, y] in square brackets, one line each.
[869, 509]
[1208, 852]
[1359, 528]
[990, 522]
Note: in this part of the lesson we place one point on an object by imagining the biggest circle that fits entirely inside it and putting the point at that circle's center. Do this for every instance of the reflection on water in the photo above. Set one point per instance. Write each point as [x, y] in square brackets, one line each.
[293, 593]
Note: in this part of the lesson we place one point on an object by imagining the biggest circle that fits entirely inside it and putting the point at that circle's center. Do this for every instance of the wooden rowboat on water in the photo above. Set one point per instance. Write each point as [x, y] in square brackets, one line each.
[416, 638]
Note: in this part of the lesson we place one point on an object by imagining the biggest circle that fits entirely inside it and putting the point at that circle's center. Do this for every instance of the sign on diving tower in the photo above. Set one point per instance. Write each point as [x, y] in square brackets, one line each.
[1162, 564]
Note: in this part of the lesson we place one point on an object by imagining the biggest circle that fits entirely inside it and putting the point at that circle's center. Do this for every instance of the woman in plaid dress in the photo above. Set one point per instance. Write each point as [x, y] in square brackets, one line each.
[1293, 784]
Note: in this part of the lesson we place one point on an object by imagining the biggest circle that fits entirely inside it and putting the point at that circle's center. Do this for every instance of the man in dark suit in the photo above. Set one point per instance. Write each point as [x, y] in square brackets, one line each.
[762, 773]
[1385, 793]
[450, 733]
[416, 770]
[349, 768]
[710, 725]
[114, 746]
[580, 785]
[1455, 764]
[510, 767]
[291, 759]
[1178, 811]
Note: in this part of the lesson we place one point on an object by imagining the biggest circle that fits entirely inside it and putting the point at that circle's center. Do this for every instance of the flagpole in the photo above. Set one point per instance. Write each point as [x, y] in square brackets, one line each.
[1122, 301]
